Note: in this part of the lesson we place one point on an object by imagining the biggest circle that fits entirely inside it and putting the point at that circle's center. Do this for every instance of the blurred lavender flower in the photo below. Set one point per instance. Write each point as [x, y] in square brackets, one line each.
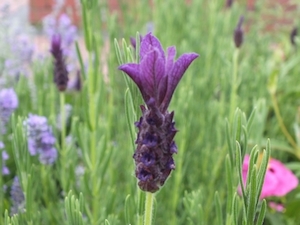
[60, 71]
[238, 35]
[64, 28]
[17, 197]
[8, 104]
[156, 76]
[5, 156]
[229, 3]
[293, 36]
[40, 139]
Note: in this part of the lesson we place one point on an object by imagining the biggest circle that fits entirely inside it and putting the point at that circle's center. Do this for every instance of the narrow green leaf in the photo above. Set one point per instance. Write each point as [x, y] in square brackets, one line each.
[218, 209]
[262, 213]
[230, 184]
[80, 60]
[252, 198]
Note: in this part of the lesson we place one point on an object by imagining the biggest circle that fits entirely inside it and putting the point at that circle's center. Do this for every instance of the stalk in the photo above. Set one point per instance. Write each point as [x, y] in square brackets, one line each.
[233, 95]
[148, 208]
[63, 138]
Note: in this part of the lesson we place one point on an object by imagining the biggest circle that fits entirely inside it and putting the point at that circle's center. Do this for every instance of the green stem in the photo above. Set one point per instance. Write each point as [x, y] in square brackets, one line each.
[148, 208]
[234, 86]
[282, 126]
[63, 138]
[94, 178]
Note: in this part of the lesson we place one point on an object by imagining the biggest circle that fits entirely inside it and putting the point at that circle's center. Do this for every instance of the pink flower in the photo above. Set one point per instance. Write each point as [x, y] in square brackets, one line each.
[277, 206]
[279, 180]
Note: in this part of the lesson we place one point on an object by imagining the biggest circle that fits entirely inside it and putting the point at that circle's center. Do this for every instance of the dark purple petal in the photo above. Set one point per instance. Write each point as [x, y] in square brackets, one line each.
[175, 75]
[150, 43]
[162, 89]
[170, 58]
[133, 71]
[152, 69]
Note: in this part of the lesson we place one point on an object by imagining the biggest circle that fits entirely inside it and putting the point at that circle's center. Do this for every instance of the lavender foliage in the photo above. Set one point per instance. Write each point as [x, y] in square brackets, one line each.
[156, 76]
[40, 138]
[17, 197]
[8, 104]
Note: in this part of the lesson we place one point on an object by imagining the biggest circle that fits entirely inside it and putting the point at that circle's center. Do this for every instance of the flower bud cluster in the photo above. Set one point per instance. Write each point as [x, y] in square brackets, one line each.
[155, 147]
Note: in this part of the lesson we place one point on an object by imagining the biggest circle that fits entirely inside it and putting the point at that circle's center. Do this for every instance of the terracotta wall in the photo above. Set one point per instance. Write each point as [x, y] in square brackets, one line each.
[38, 9]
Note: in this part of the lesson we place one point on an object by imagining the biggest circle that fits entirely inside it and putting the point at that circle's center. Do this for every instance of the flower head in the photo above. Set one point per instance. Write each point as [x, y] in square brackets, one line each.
[41, 140]
[156, 76]
[5, 156]
[17, 197]
[293, 36]
[279, 180]
[8, 104]
[238, 35]
[229, 3]
[60, 70]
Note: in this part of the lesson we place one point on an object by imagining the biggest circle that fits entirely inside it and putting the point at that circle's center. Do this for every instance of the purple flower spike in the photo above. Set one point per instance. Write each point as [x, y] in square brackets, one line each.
[60, 70]
[8, 104]
[157, 76]
[238, 35]
[5, 156]
[40, 139]
[17, 197]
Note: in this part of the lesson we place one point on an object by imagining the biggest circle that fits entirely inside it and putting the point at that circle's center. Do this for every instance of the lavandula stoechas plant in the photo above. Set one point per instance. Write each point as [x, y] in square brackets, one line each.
[40, 139]
[8, 104]
[156, 76]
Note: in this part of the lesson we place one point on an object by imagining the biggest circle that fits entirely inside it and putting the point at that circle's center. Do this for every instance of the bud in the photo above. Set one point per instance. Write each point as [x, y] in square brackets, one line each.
[238, 35]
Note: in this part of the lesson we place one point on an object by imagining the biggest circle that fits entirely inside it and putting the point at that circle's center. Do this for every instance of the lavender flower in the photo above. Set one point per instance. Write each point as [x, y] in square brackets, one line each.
[293, 36]
[17, 197]
[60, 71]
[5, 156]
[156, 76]
[238, 35]
[64, 28]
[8, 104]
[229, 3]
[40, 139]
